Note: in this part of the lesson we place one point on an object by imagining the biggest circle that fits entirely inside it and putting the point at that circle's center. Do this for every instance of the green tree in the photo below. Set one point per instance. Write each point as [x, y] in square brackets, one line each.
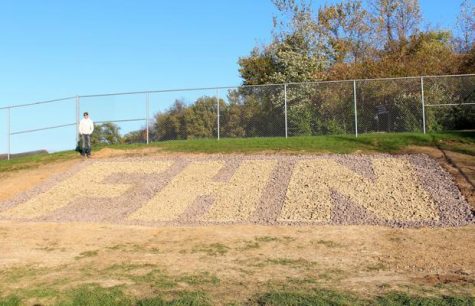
[232, 119]
[201, 118]
[139, 136]
[345, 40]
[106, 133]
[171, 124]
[287, 60]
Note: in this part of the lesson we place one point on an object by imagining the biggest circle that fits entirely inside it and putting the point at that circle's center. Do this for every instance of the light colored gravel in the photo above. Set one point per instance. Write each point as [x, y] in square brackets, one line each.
[86, 183]
[238, 199]
[235, 200]
[394, 194]
[173, 200]
[308, 196]
[400, 191]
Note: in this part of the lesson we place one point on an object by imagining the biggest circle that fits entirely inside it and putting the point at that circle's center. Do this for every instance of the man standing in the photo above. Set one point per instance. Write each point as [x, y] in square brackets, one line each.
[86, 127]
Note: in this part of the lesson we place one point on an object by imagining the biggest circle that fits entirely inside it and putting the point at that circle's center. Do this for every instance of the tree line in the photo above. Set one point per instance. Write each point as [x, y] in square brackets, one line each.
[342, 41]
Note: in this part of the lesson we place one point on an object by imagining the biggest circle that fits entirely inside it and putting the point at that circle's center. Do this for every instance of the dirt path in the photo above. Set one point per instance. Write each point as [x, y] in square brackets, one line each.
[463, 170]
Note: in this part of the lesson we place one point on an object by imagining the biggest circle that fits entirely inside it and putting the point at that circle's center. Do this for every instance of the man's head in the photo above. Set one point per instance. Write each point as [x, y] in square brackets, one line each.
[86, 115]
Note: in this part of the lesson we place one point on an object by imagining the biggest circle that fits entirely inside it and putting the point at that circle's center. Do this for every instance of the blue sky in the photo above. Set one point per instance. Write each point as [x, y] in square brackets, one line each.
[51, 49]
[60, 48]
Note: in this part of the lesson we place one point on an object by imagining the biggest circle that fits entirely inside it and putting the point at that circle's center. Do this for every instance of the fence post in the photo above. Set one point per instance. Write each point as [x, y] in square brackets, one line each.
[147, 110]
[356, 113]
[285, 109]
[423, 106]
[9, 134]
[217, 116]
[77, 119]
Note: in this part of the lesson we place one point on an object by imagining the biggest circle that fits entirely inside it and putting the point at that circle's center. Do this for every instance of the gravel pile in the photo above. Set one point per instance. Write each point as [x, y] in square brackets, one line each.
[398, 191]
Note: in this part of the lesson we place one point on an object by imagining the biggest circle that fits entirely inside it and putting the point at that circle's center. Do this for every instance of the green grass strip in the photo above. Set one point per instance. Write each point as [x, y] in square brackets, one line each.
[462, 142]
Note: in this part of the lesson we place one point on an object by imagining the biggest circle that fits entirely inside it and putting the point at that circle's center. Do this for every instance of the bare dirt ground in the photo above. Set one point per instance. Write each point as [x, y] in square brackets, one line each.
[234, 262]
[231, 262]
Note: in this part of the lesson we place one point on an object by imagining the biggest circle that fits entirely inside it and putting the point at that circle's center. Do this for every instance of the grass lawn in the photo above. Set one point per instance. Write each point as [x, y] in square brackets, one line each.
[93, 295]
[377, 142]
[462, 142]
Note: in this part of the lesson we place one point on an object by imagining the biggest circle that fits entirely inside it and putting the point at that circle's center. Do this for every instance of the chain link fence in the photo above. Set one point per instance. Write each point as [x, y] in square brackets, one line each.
[352, 107]
[325, 108]
[391, 105]
[252, 111]
[449, 103]
[183, 114]
[117, 117]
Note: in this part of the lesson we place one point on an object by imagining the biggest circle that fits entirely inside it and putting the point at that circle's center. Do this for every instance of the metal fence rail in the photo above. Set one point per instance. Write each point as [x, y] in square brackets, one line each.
[410, 104]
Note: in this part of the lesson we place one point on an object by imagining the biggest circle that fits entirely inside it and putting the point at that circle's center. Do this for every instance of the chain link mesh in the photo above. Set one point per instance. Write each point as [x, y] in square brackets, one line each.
[43, 127]
[253, 111]
[183, 115]
[450, 103]
[296, 109]
[325, 108]
[389, 105]
[117, 118]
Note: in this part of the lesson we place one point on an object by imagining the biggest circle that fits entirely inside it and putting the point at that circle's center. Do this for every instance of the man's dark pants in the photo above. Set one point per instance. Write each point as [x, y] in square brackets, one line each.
[86, 144]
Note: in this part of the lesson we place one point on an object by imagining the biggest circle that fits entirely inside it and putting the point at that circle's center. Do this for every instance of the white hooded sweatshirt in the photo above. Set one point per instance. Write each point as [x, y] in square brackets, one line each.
[86, 126]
